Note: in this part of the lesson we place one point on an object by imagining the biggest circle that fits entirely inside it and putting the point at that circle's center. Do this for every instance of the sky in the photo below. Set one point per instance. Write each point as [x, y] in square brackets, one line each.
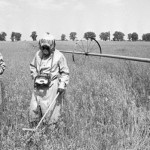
[64, 16]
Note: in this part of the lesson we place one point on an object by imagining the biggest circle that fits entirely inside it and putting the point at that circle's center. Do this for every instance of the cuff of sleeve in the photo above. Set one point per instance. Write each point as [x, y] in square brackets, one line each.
[33, 76]
[62, 85]
[1, 70]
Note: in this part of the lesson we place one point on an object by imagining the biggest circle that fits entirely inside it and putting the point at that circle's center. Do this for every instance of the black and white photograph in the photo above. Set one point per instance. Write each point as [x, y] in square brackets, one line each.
[74, 75]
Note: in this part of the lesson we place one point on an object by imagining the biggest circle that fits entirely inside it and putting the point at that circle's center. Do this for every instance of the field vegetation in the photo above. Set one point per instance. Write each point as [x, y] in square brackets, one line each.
[106, 105]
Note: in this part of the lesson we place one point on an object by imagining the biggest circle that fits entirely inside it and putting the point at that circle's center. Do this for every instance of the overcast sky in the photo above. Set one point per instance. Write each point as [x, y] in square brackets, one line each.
[65, 16]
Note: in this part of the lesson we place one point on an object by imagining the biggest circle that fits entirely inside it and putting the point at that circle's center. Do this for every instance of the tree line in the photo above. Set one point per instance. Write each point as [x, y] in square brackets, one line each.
[104, 36]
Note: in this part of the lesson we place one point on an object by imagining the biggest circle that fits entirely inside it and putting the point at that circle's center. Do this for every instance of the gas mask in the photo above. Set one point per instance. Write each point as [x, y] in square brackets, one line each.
[47, 45]
[46, 50]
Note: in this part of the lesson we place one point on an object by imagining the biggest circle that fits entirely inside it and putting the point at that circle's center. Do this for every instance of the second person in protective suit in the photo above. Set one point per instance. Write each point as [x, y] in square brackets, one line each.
[50, 66]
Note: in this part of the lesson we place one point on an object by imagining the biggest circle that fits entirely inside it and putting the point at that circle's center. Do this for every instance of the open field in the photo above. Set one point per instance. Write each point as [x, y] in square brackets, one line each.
[106, 107]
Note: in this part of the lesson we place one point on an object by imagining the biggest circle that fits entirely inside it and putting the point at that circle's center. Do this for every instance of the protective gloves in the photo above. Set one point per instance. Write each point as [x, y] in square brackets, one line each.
[59, 99]
[60, 90]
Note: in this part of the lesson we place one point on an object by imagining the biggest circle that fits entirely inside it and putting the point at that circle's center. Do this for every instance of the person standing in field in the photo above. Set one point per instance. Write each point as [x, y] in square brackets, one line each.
[2, 65]
[50, 66]
[2, 69]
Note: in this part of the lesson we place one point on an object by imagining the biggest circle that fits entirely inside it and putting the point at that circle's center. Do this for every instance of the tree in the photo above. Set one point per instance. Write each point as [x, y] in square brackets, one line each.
[73, 36]
[118, 36]
[105, 36]
[146, 37]
[134, 36]
[3, 36]
[12, 36]
[130, 36]
[33, 35]
[63, 37]
[15, 36]
[89, 35]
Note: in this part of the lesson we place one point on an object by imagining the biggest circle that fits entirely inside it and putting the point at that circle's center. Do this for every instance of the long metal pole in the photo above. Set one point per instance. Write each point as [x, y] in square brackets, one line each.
[111, 56]
[34, 129]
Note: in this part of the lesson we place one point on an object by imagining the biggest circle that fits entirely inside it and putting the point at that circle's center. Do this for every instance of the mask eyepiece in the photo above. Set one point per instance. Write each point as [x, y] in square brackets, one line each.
[44, 47]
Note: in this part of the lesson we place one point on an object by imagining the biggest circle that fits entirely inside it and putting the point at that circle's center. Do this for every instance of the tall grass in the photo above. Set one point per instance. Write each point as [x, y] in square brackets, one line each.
[105, 108]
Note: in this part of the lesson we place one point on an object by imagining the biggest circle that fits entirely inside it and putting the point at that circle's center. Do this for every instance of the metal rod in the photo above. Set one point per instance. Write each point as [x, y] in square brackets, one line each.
[34, 129]
[111, 56]
[47, 110]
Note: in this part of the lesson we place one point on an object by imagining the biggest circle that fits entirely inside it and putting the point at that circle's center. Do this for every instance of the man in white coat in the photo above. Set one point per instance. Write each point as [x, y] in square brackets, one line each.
[50, 66]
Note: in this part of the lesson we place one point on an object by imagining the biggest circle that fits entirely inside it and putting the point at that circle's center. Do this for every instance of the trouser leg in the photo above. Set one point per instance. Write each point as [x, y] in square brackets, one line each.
[34, 114]
[47, 100]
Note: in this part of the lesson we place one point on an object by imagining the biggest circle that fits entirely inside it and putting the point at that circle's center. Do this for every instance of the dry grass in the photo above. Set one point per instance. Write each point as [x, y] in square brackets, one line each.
[105, 107]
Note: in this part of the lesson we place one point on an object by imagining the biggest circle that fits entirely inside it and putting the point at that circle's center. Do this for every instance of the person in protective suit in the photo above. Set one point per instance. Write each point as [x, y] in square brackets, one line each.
[49, 66]
[2, 69]
[2, 64]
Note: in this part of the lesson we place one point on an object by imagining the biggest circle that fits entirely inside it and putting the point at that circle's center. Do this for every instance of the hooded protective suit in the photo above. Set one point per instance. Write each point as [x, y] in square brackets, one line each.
[55, 66]
[2, 64]
[2, 69]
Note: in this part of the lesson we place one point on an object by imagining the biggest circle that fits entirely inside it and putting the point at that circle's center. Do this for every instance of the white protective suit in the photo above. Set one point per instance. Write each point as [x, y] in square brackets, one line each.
[56, 66]
[2, 68]
[2, 64]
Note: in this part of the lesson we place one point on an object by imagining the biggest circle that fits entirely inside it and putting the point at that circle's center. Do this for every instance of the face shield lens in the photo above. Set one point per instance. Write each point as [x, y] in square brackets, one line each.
[45, 50]
[45, 47]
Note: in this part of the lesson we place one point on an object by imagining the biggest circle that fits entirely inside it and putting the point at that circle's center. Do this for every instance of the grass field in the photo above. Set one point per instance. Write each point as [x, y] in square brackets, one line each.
[106, 106]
